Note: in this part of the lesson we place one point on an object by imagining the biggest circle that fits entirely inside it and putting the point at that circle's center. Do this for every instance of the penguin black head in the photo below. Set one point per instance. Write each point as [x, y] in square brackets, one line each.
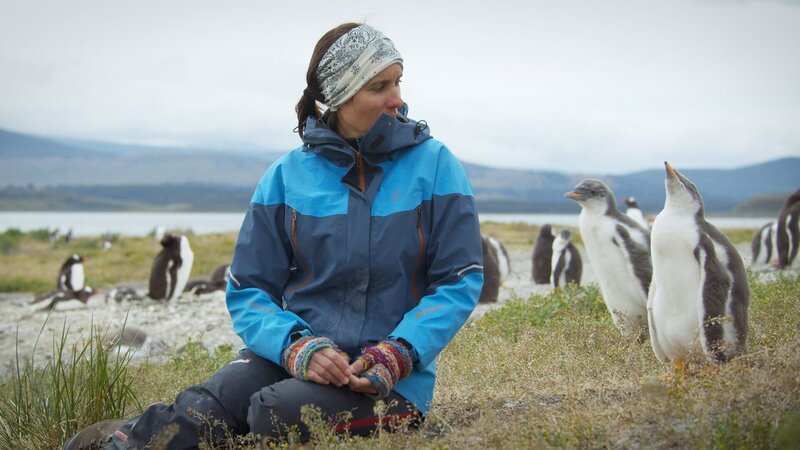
[682, 194]
[630, 202]
[170, 241]
[565, 234]
[794, 198]
[74, 259]
[593, 195]
[547, 230]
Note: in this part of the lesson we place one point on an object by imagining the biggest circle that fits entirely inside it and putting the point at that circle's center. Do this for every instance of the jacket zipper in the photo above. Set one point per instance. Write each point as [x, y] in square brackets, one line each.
[420, 257]
[300, 259]
[361, 173]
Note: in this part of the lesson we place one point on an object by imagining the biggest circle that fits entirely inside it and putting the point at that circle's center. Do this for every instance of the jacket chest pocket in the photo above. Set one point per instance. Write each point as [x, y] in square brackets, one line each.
[299, 266]
[318, 246]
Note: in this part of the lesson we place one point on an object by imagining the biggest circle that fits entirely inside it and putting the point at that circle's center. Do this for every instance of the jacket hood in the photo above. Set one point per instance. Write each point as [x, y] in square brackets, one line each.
[386, 136]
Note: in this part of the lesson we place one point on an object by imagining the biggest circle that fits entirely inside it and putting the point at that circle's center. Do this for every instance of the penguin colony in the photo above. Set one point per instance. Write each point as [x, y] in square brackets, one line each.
[169, 277]
[682, 280]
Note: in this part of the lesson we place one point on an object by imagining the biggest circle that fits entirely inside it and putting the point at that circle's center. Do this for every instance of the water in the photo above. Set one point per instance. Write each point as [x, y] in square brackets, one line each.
[142, 223]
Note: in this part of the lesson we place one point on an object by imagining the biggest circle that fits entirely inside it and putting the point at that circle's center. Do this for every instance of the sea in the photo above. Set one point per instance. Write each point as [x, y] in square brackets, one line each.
[144, 223]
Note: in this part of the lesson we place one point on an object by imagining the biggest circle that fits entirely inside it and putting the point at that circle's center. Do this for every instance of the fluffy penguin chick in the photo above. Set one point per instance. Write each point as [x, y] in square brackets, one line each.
[566, 261]
[542, 255]
[699, 297]
[618, 249]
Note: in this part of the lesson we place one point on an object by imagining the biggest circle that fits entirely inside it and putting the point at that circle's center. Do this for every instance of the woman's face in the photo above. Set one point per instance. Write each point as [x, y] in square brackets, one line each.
[381, 95]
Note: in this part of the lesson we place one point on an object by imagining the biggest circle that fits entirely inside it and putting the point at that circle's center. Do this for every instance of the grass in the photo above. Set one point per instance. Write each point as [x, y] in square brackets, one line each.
[544, 372]
[31, 263]
[84, 384]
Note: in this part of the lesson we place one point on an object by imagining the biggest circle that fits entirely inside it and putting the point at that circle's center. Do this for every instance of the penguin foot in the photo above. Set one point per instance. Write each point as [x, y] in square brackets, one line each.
[681, 368]
[708, 370]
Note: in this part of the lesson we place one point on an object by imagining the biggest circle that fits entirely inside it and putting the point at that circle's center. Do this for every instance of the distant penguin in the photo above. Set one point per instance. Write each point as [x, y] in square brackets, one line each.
[700, 296]
[218, 282]
[542, 255]
[61, 299]
[123, 294]
[762, 247]
[491, 272]
[788, 232]
[171, 268]
[71, 275]
[503, 261]
[567, 266]
[618, 249]
[634, 212]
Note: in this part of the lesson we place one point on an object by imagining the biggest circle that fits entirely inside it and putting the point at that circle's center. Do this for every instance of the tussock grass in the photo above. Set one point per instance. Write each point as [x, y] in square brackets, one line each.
[83, 384]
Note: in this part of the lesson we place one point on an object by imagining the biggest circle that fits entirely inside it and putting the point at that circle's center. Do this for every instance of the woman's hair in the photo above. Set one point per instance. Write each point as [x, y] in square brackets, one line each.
[307, 106]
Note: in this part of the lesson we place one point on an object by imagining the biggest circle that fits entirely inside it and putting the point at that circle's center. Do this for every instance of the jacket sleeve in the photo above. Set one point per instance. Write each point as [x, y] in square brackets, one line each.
[260, 270]
[455, 265]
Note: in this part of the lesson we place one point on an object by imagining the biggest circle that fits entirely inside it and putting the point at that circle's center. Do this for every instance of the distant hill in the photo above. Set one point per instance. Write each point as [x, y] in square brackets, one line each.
[68, 174]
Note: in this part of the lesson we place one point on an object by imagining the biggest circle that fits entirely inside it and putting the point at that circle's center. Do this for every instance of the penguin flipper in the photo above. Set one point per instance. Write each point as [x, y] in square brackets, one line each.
[712, 298]
[652, 326]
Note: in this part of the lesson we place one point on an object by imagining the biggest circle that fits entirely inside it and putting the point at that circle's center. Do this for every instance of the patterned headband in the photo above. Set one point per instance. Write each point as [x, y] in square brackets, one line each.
[354, 59]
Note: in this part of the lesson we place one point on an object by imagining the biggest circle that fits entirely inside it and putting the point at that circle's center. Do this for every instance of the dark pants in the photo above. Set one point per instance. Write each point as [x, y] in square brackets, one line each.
[255, 395]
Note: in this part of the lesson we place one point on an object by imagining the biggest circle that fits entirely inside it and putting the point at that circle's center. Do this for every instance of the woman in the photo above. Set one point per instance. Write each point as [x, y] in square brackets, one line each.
[358, 260]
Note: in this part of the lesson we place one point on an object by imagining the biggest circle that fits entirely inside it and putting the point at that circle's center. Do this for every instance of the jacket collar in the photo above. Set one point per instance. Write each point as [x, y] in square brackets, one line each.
[388, 135]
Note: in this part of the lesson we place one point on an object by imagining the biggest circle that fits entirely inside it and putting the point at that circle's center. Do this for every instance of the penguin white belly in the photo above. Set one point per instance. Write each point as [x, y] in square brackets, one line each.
[187, 259]
[559, 278]
[677, 279]
[77, 277]
[622, 291]
[636, 215]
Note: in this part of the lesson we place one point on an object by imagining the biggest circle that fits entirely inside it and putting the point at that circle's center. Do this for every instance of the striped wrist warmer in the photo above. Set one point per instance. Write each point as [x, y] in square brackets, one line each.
[385, 364]
[297, 356]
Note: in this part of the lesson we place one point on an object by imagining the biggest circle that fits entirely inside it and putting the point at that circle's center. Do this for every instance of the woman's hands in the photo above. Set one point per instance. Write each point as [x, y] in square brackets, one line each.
[329, 366]
[360, 384]
[375, 372]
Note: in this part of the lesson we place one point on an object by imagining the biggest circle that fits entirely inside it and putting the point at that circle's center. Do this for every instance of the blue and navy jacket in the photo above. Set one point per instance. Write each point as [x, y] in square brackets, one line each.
[359, 247]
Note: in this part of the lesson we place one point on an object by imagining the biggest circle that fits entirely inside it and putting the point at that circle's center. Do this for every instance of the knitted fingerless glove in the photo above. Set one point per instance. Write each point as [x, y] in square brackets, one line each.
[297, 356]
[385, 364]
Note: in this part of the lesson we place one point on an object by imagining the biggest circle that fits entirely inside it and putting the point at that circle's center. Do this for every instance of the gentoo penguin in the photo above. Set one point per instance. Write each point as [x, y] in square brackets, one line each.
[123, 293]
[62, 299]
[567, 265]
[171, 268]
[699, 297]
[491, 272]
[71, 276]
[542, 255]
[618, 249]
[503, 261]
[762, 247]
[634, 212]
[218, 282]
[788, 236]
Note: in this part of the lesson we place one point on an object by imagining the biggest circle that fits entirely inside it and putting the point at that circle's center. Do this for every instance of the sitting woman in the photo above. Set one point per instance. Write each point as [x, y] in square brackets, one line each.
[358, 261]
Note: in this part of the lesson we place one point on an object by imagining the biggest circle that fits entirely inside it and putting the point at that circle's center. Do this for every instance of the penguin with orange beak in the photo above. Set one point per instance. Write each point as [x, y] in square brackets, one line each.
[699, 299]
[618, 250]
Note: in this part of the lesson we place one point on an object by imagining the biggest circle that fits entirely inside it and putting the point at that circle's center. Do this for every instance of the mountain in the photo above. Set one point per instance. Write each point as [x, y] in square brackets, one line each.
[38, 161]
[40, 173]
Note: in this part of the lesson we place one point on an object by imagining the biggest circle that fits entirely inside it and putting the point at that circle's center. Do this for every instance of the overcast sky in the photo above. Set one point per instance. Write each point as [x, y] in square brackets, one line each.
[579, 86]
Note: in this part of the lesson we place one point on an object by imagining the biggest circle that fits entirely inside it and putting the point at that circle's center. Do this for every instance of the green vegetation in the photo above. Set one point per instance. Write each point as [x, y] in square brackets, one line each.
[543, 372]
[31, 262]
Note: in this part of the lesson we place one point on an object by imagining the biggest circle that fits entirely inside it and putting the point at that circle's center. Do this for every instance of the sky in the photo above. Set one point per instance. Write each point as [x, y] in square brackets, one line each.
[578, 86]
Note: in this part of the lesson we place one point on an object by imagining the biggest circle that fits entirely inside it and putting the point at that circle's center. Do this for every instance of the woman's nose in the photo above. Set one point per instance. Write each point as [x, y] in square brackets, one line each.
[395, 99]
